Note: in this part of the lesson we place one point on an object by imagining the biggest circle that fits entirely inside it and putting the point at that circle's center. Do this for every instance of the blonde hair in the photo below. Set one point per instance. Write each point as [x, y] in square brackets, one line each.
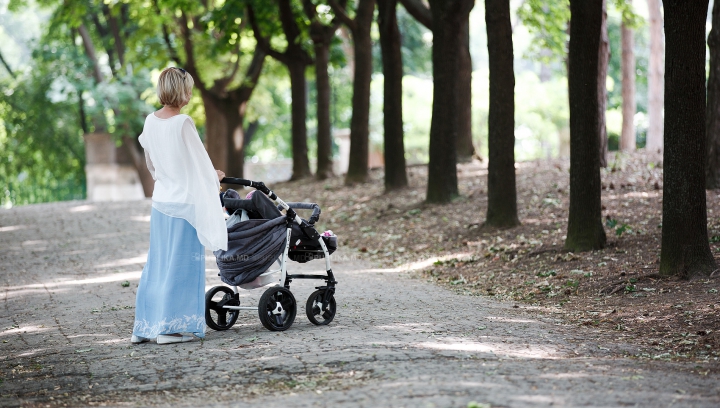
[174, 87]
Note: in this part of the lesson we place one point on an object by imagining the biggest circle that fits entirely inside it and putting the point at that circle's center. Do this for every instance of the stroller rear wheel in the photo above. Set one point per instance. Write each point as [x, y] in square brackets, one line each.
[217, 317]
[277, 309]
[314, 308]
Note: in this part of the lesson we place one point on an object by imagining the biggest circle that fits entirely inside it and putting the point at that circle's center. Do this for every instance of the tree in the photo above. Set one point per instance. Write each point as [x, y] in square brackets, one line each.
[395, 171]
[226, 99]
[712, 165]
[603, 59]
[296, 59]
[110, 26]
[585, 229]
[656, 72]
[447, 20]
[629, 107]
[502, 197]
[360, 122]
[464, 144]
[685, 250]
[322, 35]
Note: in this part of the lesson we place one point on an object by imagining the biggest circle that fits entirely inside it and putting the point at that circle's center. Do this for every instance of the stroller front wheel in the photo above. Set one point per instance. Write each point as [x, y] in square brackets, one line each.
[277, 309]
[314, 308]
[216, 316]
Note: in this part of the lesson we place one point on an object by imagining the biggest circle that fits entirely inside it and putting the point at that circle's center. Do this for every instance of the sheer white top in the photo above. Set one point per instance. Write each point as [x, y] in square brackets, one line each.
[186, 184]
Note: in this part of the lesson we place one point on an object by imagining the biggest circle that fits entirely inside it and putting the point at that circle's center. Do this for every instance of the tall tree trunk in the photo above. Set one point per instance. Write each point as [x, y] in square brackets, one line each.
[502, 198]
[447, 19]
[324, 128]
[465, 147]
[685, 249]
[603, 59]
[656, 73]
[712, 166]
[224, 135]
[629, 107]
[298, 85]
[585, 229]
[359, 123]
[395, 171]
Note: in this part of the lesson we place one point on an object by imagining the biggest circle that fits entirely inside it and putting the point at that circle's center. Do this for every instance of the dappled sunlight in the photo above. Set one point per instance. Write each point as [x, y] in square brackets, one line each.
[34, 242]
[415, 266]
[141, 218]
[18, 291]
[573, 374]
[12, 228]
[633, 194]
[538, 221]
[529, 351]
[75, 336]
[25, 330]
[81, 208]
[141, 259]
[29, 353]
[537, 399]
[509, 320]
[56, 286]
[412, 327]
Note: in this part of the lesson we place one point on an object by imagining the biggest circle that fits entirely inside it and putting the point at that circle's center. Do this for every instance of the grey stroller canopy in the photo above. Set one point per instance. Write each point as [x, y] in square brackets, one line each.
[255, 244]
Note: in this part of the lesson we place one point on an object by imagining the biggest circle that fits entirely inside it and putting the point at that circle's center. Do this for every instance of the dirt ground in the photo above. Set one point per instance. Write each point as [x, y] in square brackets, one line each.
[616, 289]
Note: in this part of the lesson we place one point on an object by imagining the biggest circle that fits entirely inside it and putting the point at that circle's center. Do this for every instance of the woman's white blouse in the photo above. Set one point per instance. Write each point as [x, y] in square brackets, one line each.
[186, 184]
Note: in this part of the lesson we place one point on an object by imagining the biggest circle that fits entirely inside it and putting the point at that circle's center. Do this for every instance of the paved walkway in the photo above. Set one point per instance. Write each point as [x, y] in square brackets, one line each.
[397, 341]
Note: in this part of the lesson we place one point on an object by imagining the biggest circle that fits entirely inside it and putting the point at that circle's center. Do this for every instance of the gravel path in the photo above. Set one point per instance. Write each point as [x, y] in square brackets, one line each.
[396, 341]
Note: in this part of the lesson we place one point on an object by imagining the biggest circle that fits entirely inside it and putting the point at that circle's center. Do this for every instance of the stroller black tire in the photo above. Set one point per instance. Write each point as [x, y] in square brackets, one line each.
[313, 308]
[216, 317]
[277, 309]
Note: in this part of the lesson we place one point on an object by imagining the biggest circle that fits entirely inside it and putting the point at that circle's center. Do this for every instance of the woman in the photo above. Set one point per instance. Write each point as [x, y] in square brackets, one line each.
[186, 217]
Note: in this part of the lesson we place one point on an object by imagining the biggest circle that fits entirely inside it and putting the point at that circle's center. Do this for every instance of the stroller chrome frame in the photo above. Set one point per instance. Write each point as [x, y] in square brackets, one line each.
[277, 307]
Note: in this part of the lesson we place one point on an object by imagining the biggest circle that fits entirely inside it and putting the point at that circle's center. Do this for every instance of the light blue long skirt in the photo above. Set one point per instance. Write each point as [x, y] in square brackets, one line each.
[170, 297]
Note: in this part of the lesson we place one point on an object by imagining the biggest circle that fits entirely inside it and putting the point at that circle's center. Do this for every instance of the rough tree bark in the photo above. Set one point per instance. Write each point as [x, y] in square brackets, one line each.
[712, 165]
[296, 59]
[465, 147]
[464, 144]
[629, 107]
[502, 196]
[656, 73]
[321, 36]
[685, 249]
[585, 229]
[603, 60]
[225, 137]
[395, 171]
[359, 123]
[447, 19]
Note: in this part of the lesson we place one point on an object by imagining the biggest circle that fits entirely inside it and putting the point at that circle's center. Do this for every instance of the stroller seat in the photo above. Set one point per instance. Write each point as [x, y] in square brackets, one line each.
[302, 247]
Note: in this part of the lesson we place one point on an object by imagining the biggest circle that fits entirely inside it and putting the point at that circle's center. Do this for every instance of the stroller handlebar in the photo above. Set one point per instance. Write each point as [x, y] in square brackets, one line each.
[315, 217]
[258, 185]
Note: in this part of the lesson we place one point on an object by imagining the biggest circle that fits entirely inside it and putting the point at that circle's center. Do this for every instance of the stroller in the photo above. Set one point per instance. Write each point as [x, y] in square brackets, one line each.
[263, 237]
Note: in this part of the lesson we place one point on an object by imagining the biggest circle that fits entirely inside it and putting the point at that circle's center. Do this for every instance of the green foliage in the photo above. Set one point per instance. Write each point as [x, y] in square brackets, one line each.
[546, 274]
[619, 229]
[547, 21]
[416, 46]
[41, 148]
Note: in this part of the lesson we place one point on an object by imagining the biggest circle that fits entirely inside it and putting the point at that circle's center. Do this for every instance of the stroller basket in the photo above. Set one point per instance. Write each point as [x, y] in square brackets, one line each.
[303, 249]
